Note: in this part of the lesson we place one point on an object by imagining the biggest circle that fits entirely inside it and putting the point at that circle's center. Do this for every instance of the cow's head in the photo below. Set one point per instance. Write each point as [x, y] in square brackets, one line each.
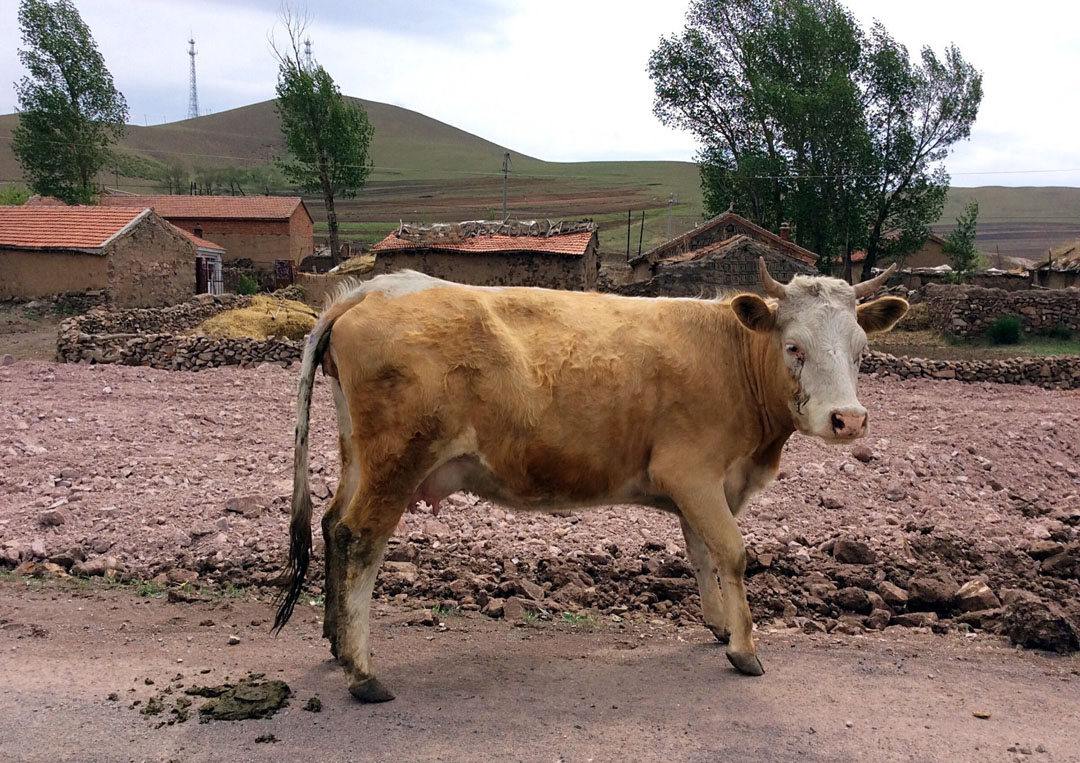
[820, 332]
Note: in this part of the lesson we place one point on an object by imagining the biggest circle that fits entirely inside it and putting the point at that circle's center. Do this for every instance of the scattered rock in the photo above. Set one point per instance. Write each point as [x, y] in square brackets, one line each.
[98, 565]
[398, 575]
[6, 359]
[852, 599]
[931, 594]
[247, 505]
[896, 492]
[893, 595]
[314, 705]
[975, 595]
[234, 640]
[915, 619]
[854, 552]
[862, 452]
[878, 619]
[1032, 622]
[832, 501]
[52, 517]
[1044, 548]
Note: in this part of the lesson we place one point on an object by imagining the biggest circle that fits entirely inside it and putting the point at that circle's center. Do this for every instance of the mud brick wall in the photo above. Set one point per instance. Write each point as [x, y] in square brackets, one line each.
[967, 311]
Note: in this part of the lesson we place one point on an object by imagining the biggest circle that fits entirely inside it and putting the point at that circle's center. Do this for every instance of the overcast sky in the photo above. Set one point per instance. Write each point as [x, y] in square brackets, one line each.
[566, 81]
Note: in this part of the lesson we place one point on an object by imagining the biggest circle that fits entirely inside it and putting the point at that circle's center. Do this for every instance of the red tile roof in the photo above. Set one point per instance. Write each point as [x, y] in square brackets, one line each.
[212, 207]
[563, 243]
[202, 243]
[50, 227]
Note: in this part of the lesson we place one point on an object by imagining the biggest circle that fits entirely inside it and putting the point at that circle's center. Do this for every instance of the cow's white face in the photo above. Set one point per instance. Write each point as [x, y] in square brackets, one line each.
[821, 335]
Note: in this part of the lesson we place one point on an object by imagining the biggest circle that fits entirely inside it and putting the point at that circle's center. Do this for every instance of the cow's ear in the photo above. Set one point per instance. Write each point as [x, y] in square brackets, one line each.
[881, 314]
[753, 312]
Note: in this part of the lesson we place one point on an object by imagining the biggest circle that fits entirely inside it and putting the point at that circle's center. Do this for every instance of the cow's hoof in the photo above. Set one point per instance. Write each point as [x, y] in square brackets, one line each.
[746, 663]
[723, 635]
[370, 690]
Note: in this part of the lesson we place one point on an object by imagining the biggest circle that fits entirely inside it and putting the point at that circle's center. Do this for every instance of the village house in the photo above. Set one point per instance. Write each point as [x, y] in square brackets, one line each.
[255, 231]
[1060, 269]
[725, 266]
[719, 255]
[132, 255]
[562, 255]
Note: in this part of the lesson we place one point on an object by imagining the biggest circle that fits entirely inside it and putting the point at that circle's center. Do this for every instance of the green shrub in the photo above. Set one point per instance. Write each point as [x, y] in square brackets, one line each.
[1057, 332]
[1005, 330]
[246, 285]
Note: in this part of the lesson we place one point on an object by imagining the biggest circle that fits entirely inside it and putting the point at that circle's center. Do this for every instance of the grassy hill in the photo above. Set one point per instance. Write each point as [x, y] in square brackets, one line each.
[428, 171]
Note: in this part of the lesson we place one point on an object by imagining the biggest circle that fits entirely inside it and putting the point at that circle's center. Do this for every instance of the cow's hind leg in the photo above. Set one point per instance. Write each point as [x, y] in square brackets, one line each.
[360, 539]
[712, 607]
[348, 484]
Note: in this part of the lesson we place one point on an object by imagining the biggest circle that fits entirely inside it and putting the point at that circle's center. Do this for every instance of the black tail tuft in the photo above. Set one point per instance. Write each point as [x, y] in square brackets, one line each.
[299, 558]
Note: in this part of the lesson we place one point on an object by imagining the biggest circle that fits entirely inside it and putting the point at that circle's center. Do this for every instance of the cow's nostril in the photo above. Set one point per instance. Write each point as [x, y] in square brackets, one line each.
[837, 423]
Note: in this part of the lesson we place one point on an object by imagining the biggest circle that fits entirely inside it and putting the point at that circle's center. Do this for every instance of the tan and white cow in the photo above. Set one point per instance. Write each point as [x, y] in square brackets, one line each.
[539, 399]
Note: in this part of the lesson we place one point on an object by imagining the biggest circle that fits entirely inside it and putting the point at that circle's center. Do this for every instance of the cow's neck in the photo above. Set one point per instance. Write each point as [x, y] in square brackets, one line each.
[767, 382]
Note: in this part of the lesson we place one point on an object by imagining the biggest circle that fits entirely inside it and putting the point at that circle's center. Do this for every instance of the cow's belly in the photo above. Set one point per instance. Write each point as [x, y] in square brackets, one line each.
[472, 473]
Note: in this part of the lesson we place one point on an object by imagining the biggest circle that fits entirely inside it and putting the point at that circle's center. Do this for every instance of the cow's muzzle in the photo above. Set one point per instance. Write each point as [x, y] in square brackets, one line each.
[848, 424]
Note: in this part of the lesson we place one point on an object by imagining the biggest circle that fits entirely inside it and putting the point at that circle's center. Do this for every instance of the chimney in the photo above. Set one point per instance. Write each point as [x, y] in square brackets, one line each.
[785, 232]
[198, 230]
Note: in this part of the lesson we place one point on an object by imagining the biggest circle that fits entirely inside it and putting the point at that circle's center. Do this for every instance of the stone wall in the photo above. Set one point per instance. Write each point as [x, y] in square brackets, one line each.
[1060, 372]
[967, 310]
[552, 271]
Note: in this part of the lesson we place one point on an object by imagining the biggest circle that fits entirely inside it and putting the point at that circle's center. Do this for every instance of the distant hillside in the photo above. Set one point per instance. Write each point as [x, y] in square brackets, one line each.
[428, 171]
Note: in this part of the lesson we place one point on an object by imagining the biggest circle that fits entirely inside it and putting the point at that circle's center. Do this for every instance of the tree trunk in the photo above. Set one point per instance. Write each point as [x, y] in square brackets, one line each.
[332, 223]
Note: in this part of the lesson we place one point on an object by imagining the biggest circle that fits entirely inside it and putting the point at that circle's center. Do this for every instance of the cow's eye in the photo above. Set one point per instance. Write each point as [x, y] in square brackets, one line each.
[794, 351]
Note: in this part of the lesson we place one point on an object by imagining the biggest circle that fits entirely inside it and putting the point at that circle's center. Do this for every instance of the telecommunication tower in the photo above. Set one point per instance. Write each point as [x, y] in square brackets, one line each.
[193, 97]
[307, 54]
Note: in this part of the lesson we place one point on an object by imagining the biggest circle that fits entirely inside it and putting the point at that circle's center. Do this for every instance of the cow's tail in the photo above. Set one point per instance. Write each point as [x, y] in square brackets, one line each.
[300, 526]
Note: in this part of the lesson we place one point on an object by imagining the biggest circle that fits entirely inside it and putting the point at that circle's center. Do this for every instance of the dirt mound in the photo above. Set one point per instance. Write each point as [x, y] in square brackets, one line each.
[267, 317]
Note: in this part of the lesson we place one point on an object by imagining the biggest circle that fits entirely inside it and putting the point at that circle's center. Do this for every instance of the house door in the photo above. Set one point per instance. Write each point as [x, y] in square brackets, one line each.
[202, 282]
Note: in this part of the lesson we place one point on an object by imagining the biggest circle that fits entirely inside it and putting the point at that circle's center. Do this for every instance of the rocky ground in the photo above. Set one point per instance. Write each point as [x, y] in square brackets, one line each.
[961, 510]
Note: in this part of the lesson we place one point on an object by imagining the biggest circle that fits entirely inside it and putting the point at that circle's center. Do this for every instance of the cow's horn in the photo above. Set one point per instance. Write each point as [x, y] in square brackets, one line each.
[772, 288]
[866, 288]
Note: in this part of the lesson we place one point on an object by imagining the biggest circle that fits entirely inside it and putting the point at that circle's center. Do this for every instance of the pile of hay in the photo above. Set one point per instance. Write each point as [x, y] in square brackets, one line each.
[354, 266]
[266, 318]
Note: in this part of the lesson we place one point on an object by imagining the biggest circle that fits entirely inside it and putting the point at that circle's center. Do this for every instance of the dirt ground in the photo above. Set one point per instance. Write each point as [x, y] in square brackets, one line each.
[178, 483]
[28, 333]
[482, 689]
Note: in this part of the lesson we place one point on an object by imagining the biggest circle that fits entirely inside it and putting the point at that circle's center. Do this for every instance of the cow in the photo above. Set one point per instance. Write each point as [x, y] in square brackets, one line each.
[544, 400]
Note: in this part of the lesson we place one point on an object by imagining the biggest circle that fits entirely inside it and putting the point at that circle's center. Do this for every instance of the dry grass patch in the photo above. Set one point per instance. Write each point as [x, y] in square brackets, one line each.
[267, 317]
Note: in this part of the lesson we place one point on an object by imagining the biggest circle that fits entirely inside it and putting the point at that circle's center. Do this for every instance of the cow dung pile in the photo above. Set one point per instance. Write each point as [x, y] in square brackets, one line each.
[266, 318]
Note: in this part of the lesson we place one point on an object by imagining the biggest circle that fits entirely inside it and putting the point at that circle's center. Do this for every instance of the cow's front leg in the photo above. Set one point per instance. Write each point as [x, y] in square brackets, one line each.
[705, 508]
[712, 607]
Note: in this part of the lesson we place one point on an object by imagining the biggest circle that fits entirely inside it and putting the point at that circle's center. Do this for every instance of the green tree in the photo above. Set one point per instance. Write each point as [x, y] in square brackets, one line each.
[915, 114]
[327, 137]
[70, 111]
[960, 243]
[175, 178]
[804, 117]
[13, 195]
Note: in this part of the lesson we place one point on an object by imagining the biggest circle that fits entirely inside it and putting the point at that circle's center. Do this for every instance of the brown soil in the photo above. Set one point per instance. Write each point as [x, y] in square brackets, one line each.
[28, 333]
[482, 689]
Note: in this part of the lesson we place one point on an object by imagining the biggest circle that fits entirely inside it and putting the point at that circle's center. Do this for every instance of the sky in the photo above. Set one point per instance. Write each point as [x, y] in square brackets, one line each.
[567, 81]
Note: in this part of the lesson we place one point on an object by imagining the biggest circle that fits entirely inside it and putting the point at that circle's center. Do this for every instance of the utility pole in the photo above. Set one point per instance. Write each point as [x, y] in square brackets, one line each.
[506, 175]
[671, 201]
[193, 96]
